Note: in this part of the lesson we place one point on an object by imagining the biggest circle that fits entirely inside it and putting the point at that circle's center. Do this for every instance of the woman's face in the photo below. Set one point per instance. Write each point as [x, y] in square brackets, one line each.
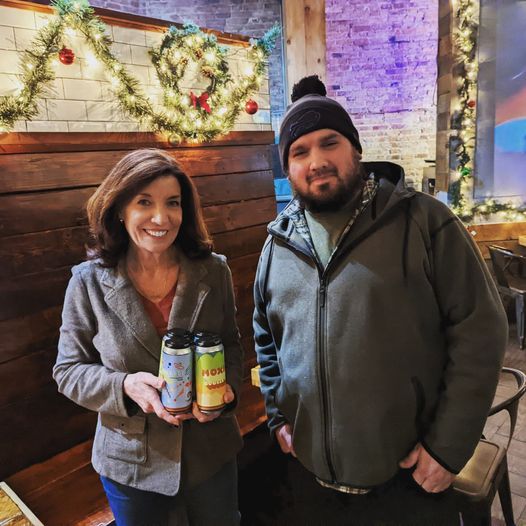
[153, 217]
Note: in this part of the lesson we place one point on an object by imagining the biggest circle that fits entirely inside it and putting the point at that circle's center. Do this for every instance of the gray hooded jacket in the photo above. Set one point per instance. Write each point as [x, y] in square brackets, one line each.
[398, 340]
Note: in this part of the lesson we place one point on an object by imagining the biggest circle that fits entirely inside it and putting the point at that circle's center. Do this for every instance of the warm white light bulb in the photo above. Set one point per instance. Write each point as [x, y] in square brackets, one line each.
[91, 59]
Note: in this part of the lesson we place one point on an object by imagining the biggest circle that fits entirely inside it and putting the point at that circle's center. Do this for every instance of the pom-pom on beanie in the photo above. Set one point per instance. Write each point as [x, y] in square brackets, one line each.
[312, 110]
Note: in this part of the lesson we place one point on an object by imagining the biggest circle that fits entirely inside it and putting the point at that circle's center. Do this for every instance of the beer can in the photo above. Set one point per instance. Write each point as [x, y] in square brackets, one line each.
[176, 370]
[210, 377]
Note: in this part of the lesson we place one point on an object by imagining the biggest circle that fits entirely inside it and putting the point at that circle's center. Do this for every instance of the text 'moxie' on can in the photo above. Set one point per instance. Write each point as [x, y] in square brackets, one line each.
[176, 370]
[210, 377]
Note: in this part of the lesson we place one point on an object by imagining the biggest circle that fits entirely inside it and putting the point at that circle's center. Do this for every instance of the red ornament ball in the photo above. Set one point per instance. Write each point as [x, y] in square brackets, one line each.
[251, 106]
[66, 56]
[471, 103]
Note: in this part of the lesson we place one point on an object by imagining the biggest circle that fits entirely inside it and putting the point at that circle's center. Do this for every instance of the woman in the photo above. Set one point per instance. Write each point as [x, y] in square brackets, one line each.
[150, 268]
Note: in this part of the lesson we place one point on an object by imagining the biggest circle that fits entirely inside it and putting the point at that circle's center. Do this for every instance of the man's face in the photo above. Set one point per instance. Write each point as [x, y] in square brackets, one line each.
[324, 170]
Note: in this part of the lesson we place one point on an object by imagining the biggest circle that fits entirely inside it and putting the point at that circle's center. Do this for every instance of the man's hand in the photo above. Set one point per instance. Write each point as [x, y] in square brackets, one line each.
[143, 389]
[284, 437]
[429, 474]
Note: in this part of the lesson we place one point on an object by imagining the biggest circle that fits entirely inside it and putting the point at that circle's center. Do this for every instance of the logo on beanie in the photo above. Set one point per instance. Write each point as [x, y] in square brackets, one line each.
[306, 122]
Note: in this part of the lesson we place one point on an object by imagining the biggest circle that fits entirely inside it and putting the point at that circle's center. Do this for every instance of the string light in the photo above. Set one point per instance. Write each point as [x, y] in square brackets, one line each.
[463, 121]
[91, 59]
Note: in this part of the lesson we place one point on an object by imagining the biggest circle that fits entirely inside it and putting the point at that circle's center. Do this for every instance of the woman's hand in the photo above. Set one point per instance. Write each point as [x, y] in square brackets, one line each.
[228, 397]
[284, 438]
[143, 389]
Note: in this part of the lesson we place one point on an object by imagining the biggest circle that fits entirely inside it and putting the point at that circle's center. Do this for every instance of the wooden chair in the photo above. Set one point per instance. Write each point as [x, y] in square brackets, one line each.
[487, 470]
[510, 269]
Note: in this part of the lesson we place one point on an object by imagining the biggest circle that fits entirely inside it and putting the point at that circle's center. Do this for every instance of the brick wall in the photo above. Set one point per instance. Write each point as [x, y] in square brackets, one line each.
[246, 17]
[381, 65]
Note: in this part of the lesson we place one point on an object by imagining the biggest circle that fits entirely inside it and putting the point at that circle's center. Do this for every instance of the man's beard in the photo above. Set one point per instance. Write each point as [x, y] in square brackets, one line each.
[335, 198]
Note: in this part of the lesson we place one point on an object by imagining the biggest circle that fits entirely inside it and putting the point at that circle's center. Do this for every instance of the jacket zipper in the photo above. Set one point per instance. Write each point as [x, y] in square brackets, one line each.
[322, 318]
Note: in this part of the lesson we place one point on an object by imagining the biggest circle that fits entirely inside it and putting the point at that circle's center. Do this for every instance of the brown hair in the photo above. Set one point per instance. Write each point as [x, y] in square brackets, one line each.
[108, 237]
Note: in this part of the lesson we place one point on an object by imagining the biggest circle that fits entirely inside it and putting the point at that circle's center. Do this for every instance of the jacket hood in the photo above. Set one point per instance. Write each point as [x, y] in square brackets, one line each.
[392, 196]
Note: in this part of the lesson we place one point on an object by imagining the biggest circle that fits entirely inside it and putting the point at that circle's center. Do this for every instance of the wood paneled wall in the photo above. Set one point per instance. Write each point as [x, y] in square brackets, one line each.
[45, 180]
[502, 234]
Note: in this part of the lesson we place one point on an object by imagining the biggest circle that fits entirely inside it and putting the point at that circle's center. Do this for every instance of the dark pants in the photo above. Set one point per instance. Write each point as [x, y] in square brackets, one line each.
[213, 502]
[400, 502]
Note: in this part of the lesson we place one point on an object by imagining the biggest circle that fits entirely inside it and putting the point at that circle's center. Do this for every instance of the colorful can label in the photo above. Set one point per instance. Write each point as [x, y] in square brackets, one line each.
[176, 370]
[210, 377]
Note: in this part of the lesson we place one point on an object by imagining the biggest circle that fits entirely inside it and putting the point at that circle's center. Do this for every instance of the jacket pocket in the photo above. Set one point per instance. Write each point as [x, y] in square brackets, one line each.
[125, 438]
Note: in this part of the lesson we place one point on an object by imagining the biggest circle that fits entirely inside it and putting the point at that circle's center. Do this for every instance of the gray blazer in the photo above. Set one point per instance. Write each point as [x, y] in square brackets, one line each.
[106, 334]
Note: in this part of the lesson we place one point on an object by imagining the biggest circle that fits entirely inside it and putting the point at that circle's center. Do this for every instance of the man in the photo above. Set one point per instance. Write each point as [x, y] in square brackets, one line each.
[378, 329]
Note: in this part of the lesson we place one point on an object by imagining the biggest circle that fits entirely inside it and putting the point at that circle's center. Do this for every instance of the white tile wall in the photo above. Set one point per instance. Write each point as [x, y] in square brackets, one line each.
[70, 110]
[80, 99]
[122, 52]
[140, 72]
[7, 38]
[87, 126]
[47, 126]
[20, 126]
[82, 89]
[24, 37]
[13, 17]
[42, 19]
[140, 55]
[153, 38]
[93, 69]
[9, 84]
[42, 114]
[9, 63]
[104, 111]
[122, 127]
[127, 35]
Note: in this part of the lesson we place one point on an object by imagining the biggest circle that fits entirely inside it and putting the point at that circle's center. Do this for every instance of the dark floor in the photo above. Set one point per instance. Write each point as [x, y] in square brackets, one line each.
[266, 493]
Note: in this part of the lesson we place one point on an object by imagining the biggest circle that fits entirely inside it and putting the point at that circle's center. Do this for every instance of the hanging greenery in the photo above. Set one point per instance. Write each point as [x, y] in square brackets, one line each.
[185, 116]
[36, 73]
[463, 120]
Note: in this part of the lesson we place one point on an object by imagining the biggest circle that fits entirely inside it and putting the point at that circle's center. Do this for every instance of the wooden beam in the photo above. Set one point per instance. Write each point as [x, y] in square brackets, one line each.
[305, 39]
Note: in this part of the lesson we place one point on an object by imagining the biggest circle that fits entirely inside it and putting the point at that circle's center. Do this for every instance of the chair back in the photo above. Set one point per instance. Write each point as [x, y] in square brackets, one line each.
[501, 259]
[511, 403]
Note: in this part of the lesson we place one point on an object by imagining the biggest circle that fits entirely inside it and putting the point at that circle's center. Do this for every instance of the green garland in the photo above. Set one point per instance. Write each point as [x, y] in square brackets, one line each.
[464, 121]
[178, 118]
[36, 73]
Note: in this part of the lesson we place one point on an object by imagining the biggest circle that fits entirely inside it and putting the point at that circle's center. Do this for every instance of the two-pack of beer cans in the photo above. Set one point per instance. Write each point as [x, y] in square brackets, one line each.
[192, 363]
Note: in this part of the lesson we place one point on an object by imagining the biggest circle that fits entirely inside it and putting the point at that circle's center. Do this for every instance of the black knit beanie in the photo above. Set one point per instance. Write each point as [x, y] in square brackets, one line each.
[312, 110]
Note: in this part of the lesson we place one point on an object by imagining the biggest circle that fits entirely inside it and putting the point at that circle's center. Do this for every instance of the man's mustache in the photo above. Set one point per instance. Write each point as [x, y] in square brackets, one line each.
[321, 173]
